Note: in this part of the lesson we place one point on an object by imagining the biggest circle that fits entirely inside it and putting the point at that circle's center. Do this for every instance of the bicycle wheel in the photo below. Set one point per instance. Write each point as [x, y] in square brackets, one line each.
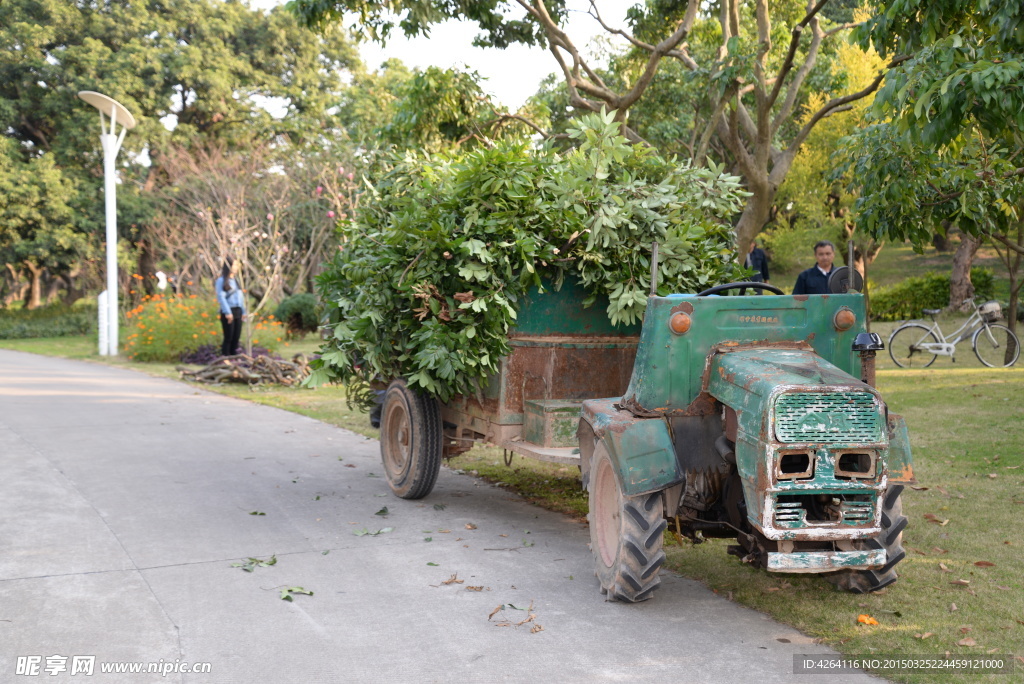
[998, 347]
[903, 346]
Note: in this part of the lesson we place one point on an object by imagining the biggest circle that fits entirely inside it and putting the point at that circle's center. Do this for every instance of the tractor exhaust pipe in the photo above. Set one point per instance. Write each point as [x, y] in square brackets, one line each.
[654, 269]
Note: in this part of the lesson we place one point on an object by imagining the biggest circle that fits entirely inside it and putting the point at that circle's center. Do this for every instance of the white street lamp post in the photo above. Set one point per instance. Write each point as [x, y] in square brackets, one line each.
[111, 141]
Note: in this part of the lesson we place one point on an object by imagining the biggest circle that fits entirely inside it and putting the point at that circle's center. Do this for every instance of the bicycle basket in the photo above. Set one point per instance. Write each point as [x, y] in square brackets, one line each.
[991, 312]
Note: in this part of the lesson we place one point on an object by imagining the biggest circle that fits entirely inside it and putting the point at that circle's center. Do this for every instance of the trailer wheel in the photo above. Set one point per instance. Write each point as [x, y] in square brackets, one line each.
[626, 534]
[891, 539]
[410, 440]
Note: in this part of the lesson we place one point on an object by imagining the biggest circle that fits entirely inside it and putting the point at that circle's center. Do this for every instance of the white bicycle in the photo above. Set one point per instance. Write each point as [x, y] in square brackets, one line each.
[915, 345]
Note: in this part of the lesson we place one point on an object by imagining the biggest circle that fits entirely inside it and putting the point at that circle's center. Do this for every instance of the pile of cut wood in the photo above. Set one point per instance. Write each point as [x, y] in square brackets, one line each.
[242, 368]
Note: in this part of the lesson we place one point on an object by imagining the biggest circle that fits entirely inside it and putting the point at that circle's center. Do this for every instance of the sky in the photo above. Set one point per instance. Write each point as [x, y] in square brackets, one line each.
[512, 75]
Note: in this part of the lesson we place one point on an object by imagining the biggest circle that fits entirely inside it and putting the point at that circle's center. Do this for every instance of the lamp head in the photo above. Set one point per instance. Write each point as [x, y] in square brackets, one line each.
[105, 104]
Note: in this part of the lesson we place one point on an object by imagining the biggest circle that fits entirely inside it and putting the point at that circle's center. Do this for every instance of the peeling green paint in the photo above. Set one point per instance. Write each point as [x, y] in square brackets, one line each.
[641, 449]
[822, 561]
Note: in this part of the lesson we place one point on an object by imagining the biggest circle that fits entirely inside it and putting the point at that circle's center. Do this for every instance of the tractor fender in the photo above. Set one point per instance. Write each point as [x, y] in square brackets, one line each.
[640, 449]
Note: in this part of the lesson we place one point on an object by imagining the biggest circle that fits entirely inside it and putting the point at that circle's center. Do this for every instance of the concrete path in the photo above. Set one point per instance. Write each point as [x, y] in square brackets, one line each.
[126, 499]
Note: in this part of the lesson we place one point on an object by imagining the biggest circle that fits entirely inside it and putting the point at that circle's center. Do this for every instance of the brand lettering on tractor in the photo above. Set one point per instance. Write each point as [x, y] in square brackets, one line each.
[818, 422]
[759, 319]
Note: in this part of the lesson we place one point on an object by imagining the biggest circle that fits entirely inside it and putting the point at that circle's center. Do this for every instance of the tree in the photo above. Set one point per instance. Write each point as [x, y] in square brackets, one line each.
[749, 90]
[203, 66]
[35, 221]
[271, 209]
[945, 145]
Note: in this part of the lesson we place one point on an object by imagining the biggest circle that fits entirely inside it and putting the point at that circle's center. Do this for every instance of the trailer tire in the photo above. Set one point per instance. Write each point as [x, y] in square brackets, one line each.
[410, 440]
[891, 539]
[626, 534]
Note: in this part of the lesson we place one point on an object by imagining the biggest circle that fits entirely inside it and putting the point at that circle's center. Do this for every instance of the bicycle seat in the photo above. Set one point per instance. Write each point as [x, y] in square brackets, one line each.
[931, 312]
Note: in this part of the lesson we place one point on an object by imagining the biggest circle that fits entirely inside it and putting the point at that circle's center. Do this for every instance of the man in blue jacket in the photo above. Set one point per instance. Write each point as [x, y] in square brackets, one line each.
[815, 279]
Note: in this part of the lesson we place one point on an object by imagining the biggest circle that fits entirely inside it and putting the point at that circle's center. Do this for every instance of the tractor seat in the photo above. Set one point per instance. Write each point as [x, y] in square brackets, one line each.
[931, 312]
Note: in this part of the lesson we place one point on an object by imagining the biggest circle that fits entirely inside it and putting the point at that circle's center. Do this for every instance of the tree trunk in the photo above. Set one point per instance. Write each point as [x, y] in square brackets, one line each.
[754, 217]
[942, 243]
[72, 293]
[960, 286]
[51, 287]
[34, 295]
[15, 286]
[147, 265]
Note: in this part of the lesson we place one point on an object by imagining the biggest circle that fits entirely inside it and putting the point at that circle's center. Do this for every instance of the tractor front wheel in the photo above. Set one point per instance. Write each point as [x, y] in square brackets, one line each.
[626, 534]
[891, 539]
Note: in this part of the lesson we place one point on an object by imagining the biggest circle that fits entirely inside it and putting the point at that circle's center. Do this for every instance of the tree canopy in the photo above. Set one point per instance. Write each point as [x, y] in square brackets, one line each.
[211, 70]
[727, 80]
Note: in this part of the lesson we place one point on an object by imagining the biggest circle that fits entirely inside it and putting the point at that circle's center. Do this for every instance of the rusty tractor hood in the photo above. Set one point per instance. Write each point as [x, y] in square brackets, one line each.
[761, 371]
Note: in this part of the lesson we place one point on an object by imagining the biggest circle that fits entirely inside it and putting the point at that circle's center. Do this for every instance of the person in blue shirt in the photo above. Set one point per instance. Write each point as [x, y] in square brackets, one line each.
[232, 306]
[815, 279]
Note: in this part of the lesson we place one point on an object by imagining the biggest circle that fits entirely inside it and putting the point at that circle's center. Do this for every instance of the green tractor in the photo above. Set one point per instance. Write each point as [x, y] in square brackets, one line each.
[754, 418]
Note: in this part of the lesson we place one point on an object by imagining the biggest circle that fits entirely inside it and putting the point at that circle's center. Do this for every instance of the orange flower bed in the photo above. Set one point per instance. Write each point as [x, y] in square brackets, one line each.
[163, 327]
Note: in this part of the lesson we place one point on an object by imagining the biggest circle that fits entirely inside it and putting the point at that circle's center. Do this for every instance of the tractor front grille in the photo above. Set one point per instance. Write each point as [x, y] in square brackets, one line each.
[794, 511]
[832, 417]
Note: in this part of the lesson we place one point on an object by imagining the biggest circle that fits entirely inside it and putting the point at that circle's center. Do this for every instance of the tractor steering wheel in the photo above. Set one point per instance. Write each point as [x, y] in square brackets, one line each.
[736, 286]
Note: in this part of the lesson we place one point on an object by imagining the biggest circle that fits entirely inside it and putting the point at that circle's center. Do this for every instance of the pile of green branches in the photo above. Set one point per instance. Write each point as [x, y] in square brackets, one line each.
[426, 283]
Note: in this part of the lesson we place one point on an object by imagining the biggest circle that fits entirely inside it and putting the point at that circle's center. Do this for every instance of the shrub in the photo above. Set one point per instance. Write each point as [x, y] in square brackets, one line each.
[268, 332]
[57, 320]
[163, 327]
[906, 299]
[299, 315]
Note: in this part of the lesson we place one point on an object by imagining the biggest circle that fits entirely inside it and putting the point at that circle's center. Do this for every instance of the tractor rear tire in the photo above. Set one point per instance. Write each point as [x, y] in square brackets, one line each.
[410, 440]
[891, 539]
[626, 534]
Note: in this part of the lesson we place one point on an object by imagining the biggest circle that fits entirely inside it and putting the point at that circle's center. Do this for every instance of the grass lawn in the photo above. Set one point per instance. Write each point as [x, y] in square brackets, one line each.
[962, 581]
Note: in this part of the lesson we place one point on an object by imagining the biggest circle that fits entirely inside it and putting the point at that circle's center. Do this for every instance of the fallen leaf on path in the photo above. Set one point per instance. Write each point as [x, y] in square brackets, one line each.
[866, 620]
[383, 511]
[993, 475]
[967, 642]
[480, 588]
[953, 608]
[961, 582]
[470, 526]
[919, 489]
[984, 564]
[454, 579]
[936, 549]
[350, 465]
[495, 612]
[943, 568]
[536, 628]
[999, 586]
[924, 636]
